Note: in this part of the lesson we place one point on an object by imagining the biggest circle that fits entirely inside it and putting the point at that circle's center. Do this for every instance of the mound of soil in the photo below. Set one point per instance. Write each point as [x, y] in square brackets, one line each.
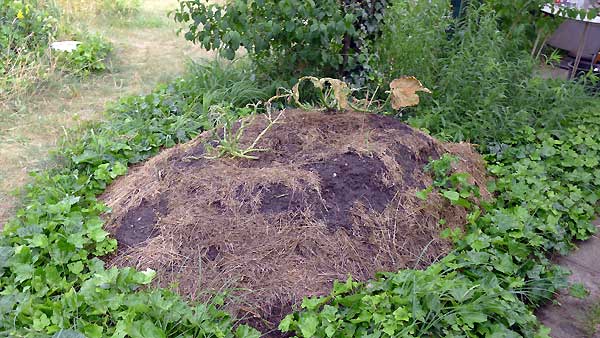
[334, 195]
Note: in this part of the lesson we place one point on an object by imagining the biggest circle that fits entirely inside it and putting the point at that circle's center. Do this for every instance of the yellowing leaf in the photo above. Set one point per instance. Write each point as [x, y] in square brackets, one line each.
[296, 89]
[340, 89]
[404, 92]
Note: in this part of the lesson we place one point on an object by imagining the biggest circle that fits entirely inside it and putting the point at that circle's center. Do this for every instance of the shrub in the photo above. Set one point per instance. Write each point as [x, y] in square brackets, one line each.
[120, 7]
[288, 38]
[90, 56]
[26, 27]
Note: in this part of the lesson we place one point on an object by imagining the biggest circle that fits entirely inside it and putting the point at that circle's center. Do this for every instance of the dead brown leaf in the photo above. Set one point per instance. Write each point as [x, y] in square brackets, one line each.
[404, 92]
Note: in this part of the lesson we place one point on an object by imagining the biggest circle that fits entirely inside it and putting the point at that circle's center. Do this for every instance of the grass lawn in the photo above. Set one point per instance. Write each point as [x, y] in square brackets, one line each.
[147, 51]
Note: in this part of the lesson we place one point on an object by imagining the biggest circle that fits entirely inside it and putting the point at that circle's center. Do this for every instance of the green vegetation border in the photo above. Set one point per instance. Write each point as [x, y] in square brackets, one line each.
[51, 281]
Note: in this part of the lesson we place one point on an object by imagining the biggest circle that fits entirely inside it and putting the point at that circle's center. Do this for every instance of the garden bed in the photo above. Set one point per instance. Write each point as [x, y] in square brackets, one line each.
[334, 195]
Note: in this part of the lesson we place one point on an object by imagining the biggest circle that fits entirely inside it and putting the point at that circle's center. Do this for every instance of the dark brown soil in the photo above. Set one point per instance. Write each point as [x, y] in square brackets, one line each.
[137, 225]
[346, 180]
[333, 196]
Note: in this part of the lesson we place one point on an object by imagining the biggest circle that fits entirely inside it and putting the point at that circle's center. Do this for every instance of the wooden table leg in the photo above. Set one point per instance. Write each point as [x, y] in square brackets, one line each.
[580, 50]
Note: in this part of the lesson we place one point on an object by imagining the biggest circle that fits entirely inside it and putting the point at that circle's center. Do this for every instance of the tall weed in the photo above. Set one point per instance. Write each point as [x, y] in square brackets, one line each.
[484, 83]
[21, 73]
[476, 82]
[121, 8]
[231, 83]
[414, 39]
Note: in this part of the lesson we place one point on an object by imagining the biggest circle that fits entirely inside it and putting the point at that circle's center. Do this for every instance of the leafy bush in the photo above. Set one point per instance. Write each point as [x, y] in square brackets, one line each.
[120, 7]
[89, 57]
[288, 38]
[25, 28]
[51, 281]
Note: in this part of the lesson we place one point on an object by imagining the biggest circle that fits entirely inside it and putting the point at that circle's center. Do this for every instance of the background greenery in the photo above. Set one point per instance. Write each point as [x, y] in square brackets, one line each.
[292, 38]
[25, 31]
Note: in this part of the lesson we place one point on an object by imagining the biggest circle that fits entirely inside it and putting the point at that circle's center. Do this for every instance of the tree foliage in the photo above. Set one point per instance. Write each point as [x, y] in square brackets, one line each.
[290, 37]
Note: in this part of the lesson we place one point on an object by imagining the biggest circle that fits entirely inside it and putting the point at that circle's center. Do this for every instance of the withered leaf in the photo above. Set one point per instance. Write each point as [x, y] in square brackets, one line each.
[340, 89]
[404, 92]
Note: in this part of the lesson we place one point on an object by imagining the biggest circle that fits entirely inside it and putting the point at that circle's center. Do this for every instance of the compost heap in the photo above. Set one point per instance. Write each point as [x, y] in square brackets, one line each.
[333, 196]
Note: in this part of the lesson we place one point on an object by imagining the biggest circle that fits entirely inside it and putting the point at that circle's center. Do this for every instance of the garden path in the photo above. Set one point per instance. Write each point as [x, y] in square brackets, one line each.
[570, 317]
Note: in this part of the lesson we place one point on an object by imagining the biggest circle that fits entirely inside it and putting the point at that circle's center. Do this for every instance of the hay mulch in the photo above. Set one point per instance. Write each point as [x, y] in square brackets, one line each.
[334, 196]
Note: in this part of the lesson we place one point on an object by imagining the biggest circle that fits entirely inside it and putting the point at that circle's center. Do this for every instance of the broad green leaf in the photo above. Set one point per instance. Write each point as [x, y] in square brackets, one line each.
[40, 321]
[69, 334]
[423, 194]
[75, 267]
[145, 328]
[313, 303]
[244, 331]
[119, 169]
[285, 324]
[22, 271]
[308, 323]
[93, 331]
[473, 317]
[451, 195]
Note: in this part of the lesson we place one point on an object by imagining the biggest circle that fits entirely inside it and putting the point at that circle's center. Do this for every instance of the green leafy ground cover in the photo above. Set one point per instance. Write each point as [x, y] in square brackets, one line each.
[540, 138]
[546, 193]
[50, 279]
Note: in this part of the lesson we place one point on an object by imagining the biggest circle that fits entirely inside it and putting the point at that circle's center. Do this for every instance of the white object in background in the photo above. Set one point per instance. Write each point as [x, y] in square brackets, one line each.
[581, 4]
[65, 46]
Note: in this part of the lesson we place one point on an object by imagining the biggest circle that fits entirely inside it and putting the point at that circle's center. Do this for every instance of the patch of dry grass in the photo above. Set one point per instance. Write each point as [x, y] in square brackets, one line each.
[31, 125]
